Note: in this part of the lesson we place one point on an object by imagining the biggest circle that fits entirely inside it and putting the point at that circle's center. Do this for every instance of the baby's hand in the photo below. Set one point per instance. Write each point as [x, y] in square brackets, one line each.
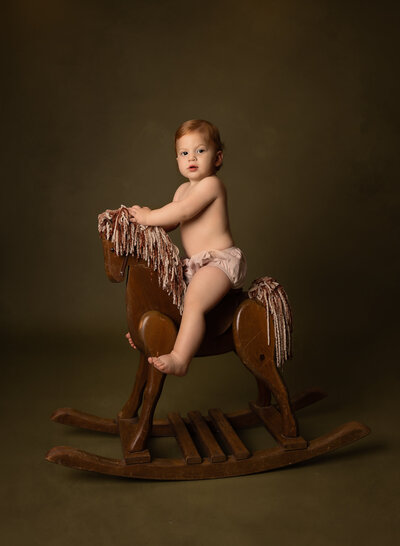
[140, 214]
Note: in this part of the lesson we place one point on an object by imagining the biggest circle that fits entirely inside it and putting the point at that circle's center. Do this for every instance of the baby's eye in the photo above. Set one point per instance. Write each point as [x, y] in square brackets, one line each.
[201, 150]
[184, 153]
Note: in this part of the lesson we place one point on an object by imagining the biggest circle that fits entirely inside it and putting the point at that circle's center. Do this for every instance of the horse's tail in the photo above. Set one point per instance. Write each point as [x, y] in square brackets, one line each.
[272, 296]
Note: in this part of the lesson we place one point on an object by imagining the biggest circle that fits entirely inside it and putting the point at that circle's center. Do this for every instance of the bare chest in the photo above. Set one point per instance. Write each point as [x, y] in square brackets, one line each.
[208, 229]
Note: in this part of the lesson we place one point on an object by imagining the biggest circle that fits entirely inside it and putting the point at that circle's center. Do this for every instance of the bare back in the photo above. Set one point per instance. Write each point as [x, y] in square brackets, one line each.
[209, 229]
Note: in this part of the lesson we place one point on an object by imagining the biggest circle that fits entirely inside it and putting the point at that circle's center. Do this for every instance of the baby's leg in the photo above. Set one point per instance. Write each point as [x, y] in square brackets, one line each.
[207, 287]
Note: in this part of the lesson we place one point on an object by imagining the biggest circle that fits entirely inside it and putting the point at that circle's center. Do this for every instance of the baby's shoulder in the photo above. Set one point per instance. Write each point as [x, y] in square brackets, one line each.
[214, 184]
[212, 181]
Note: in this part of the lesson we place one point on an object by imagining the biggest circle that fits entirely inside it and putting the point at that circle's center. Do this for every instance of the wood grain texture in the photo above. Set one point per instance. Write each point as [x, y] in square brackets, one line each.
[231, 439]
[185, 442]
[206, 438]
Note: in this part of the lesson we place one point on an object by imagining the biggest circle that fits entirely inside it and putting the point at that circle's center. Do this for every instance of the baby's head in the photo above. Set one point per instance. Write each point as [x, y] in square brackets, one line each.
[209, 130]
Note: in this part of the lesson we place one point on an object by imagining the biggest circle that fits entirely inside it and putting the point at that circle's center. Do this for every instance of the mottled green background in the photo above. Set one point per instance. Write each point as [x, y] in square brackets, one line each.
[306, 97]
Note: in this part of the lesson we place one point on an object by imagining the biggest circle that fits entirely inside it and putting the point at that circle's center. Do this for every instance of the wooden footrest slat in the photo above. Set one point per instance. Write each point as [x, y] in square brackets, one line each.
[235, 444]
[185, 442]
[272, 420]
[206, 437]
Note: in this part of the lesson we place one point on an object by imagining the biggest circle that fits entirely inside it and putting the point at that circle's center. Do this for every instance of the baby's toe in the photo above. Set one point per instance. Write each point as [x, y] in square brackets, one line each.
[159, 364]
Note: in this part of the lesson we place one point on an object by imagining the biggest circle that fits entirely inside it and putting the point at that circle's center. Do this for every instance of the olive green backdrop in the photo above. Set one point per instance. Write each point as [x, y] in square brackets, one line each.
[306, 97]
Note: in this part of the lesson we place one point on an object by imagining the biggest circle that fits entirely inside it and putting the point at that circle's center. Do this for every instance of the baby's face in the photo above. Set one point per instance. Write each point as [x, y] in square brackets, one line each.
[197, 156]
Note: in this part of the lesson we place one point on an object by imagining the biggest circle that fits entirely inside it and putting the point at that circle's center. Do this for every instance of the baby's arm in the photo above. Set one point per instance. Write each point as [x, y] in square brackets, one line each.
[139, 213]
[171, 227]
[176, 212]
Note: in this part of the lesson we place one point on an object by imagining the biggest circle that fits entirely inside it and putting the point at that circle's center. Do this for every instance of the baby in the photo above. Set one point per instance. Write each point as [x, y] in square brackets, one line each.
[214, 265]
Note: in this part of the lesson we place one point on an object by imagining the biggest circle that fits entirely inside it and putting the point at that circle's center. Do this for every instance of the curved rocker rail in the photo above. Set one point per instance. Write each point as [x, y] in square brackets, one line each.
[80, 419]
[161, 427]
[178, 469]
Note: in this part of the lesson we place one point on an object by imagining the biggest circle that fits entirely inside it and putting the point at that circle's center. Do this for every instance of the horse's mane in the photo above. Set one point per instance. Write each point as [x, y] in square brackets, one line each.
[150, 243]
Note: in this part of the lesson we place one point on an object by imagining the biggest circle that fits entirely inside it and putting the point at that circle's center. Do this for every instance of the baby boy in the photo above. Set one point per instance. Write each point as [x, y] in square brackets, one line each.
[214, 265]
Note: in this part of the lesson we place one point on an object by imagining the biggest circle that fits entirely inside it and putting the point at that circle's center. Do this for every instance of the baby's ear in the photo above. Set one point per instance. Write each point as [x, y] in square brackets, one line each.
[219, 158]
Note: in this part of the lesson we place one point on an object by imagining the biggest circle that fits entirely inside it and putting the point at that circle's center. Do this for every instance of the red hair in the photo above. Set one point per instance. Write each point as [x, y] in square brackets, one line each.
[203, 126]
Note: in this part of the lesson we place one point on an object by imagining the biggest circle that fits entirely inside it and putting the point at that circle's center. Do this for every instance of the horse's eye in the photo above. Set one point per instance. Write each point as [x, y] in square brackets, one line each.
[112, 249]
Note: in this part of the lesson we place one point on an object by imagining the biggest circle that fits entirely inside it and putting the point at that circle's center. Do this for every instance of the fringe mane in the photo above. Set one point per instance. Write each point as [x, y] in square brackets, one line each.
[150, 243]
[273, 297]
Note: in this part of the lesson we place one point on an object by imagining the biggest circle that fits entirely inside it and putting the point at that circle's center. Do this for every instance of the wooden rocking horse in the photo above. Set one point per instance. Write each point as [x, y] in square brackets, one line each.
[256, 325]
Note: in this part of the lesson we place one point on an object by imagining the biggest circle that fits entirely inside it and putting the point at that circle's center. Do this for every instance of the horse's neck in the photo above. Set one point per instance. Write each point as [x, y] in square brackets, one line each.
[143, 292]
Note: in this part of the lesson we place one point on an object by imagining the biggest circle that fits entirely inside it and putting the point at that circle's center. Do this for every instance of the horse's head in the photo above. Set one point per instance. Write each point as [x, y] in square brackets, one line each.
[123, 239]
[115, 266]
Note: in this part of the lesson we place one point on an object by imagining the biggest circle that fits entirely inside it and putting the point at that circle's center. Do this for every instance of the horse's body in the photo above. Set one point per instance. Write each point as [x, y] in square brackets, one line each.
[153, 320]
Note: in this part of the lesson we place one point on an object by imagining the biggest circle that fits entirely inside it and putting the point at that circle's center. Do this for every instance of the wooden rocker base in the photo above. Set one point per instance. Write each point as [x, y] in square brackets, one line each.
[210, 446]
[255, 325]
[178, 469]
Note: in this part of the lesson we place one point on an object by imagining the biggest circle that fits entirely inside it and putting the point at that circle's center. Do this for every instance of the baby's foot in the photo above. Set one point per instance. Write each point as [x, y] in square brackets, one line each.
[128, 337]
[169, 364]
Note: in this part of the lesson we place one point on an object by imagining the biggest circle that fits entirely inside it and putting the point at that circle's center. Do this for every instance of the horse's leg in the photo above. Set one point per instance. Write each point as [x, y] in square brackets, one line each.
[267, 371]
[132, 405]
[158, 333]
[250, 329]
[264, 394]
[152, 393]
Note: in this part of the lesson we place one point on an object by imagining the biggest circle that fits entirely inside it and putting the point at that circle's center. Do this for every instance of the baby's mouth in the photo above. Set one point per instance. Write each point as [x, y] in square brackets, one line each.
[193, 167]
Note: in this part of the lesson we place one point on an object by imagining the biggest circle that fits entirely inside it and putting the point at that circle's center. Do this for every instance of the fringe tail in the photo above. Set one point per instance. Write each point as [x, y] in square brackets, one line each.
[273, 297]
